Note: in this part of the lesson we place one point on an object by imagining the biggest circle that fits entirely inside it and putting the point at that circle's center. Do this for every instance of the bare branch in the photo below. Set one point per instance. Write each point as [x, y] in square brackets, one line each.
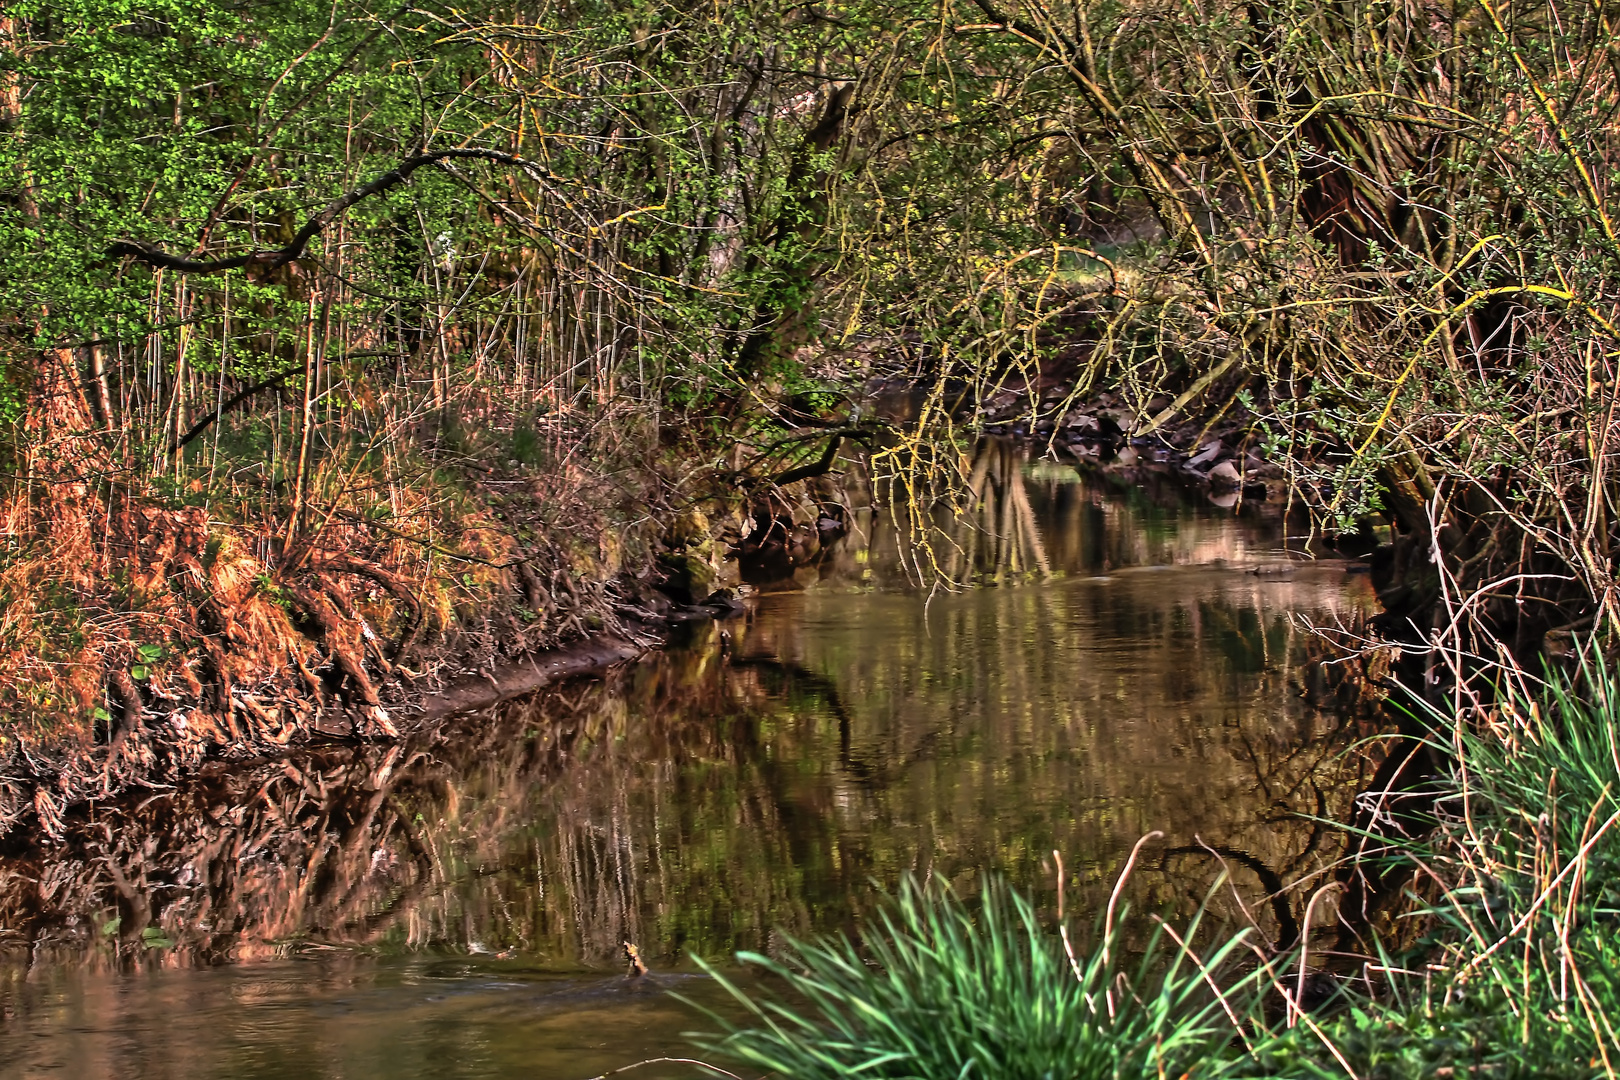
[156, 257]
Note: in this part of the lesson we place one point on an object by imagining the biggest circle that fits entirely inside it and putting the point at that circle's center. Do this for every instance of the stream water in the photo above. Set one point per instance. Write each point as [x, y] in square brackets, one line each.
[456, 908]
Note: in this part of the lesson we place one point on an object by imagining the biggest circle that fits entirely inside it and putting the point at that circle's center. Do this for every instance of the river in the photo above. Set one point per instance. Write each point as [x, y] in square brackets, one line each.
[456, 907]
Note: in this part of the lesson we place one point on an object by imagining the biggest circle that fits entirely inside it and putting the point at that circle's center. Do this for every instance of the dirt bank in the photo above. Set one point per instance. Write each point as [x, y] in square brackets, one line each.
[144, 640]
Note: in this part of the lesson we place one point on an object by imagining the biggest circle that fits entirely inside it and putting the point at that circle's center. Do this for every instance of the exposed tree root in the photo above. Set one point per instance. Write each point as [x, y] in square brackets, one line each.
[187, 646]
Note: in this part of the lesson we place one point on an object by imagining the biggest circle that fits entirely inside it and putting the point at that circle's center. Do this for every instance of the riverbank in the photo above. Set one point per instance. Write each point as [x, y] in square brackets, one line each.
[750, 777]
[147, 632]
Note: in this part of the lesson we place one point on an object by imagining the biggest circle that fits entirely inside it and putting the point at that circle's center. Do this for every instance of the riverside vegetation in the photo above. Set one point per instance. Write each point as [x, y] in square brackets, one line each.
[1513, 973]
[350, 348]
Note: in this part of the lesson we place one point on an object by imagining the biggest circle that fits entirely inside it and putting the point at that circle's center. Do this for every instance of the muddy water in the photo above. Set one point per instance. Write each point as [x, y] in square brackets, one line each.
[455, 908]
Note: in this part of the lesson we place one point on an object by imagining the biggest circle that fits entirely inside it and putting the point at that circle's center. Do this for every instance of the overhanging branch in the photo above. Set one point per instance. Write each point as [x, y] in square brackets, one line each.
[156, 257]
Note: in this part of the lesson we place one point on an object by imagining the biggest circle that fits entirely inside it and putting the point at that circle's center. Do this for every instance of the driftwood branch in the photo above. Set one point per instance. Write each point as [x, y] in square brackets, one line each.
[156, 257]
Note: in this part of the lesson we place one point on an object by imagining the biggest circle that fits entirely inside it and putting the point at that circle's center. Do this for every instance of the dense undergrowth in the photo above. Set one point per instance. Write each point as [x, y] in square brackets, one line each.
[1511, 967]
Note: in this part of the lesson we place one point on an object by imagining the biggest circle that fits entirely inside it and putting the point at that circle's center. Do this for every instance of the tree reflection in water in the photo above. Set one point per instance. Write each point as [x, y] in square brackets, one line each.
[704, 798]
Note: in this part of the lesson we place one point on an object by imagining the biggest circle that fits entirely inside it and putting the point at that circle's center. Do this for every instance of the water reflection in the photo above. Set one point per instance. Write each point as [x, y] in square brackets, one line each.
[337, 1017]
[754, 780]
[1008, 518]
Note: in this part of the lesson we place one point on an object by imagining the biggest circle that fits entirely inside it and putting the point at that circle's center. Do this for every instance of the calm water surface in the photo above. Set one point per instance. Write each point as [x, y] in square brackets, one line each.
[455, 909]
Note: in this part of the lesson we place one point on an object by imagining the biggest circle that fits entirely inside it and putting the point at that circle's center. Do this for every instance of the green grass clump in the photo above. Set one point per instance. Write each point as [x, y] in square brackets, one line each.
[942, 991]
[1519, 975]
[1534, 842]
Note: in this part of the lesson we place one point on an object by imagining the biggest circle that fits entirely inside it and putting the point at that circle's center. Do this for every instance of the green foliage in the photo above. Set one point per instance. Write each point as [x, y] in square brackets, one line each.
[153, 937]
[139, 118]
[525, 446]
[272, 589]
[1426, 1039]
[1522, 971]
[812, 191]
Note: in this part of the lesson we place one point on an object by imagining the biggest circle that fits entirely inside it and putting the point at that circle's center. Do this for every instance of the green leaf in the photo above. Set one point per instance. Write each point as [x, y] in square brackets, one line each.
[150, 653]
[110, 927]
[153, 937]
[140, 671]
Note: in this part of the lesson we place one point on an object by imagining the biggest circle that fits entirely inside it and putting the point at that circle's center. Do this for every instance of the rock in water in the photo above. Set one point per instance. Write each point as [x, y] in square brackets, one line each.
[1225, 475]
